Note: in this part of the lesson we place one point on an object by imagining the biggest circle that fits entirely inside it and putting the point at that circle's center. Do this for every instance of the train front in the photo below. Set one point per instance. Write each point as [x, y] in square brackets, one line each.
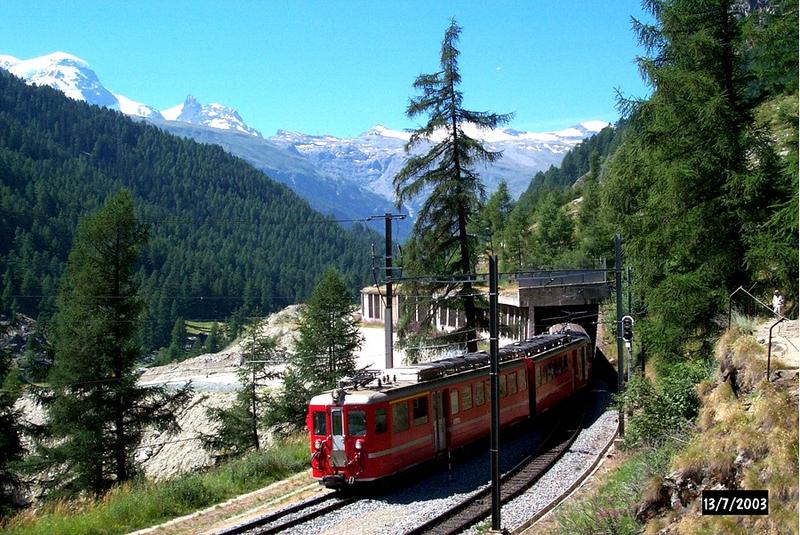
[338, 424]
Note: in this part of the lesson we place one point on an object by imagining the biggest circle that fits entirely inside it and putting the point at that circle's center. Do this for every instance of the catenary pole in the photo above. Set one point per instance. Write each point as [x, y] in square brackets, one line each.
[620, 349]
[495, 394]
[388, 317]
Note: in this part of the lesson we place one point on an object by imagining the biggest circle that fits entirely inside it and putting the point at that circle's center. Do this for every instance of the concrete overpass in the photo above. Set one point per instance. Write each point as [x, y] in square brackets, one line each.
[559, 296]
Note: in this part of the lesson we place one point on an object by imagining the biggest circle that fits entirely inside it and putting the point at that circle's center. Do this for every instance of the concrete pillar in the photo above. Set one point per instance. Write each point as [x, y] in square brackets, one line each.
[531, 320]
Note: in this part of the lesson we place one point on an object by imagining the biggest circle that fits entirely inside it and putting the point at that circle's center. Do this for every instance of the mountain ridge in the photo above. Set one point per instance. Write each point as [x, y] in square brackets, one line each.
[348, 177]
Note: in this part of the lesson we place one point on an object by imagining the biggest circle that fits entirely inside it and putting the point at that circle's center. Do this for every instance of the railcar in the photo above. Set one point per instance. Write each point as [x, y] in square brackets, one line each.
[384, 422]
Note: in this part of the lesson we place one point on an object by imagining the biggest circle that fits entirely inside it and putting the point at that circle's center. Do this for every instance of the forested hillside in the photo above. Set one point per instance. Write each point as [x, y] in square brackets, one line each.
[700, 179]
[704, 186]
[701, 182]
[222, 236]
[576, 163]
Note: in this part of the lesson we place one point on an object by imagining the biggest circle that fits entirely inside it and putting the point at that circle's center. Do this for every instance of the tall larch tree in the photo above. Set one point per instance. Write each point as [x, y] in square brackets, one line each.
[685, 184]
[97, 412]
[445, 173]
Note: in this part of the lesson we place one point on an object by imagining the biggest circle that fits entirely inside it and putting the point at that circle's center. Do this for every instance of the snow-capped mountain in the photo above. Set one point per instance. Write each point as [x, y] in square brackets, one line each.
[347, 177]
[213, 115]
[373, 158]
[73, 77]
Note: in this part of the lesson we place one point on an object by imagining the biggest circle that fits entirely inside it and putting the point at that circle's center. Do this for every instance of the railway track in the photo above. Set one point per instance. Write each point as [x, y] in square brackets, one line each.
[292, 516]
[513, 483]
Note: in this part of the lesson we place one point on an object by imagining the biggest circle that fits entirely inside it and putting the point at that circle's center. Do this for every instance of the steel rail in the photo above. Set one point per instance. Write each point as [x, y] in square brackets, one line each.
[277, 521]
[514, 482]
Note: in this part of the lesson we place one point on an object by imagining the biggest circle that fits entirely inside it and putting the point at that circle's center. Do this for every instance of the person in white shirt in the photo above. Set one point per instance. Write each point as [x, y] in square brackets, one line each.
[777, 302]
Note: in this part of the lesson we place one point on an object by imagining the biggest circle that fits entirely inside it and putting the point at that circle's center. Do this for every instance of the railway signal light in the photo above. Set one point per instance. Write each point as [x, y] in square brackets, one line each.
[627, 328]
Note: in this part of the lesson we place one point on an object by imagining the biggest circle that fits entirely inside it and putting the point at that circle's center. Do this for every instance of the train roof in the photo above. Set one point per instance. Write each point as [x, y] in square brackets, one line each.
[369, 386]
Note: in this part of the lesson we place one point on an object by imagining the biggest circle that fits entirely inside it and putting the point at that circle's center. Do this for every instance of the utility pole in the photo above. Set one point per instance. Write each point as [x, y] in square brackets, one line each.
[620, 350]
[494, 383]
[388, 316]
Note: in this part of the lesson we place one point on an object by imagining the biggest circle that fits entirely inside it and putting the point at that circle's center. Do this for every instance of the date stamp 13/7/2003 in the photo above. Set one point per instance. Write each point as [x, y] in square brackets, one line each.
[735, 502]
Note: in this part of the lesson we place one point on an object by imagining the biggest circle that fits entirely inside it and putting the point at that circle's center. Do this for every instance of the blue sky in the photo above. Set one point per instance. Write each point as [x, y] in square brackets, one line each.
[340, 67]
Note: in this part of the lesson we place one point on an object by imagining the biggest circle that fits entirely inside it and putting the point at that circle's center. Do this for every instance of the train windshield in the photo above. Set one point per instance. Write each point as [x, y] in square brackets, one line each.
[320, 424]
[336, 422]
[356, 424]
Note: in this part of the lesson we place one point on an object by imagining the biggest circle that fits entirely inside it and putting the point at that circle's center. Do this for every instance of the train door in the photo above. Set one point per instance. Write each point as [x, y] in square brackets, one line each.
[337, 438]
[439, 424]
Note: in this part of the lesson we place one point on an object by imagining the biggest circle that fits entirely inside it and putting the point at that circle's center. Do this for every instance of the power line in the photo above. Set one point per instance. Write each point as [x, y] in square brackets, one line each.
[182, 297]
[320, 220]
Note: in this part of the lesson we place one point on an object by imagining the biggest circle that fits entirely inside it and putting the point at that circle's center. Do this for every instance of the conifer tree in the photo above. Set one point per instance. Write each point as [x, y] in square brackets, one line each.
[671, 183]
[11, 448]
[493, 217]
[328, 334]
[175, 351]
[327, 340]
[517, 242]
[554, 230]
[97, 412]
[594, 234]
[446, 174]
[239, 424]
[213, 342]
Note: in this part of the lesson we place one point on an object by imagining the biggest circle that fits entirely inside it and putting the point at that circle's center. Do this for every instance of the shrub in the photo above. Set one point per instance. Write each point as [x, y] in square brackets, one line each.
[656, 410]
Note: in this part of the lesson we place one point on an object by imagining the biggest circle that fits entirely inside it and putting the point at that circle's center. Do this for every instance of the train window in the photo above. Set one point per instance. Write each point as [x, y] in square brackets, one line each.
[466, 397]
[336, 423]
[380, 421]
[503, 386]
[356, 424]
[399, 416]
[320, 424]
[453, 401]
[522, 379]
[480, 393]
[419, 410]
[512, 383]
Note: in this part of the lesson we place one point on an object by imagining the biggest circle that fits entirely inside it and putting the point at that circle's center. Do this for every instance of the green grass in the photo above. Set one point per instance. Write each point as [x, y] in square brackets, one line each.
[743, 324]
[610, 508]
[197, 327]
[140, 503]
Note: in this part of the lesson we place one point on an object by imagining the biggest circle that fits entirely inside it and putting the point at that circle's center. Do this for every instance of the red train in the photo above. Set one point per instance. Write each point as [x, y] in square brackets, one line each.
[372, 428]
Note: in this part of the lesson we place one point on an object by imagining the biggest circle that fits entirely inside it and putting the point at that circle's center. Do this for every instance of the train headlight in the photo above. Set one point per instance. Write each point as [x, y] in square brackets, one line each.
[318, 444]
[359, 445]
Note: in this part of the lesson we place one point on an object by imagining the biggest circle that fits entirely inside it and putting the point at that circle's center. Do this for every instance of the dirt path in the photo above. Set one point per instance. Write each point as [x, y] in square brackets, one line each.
[785, 342]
